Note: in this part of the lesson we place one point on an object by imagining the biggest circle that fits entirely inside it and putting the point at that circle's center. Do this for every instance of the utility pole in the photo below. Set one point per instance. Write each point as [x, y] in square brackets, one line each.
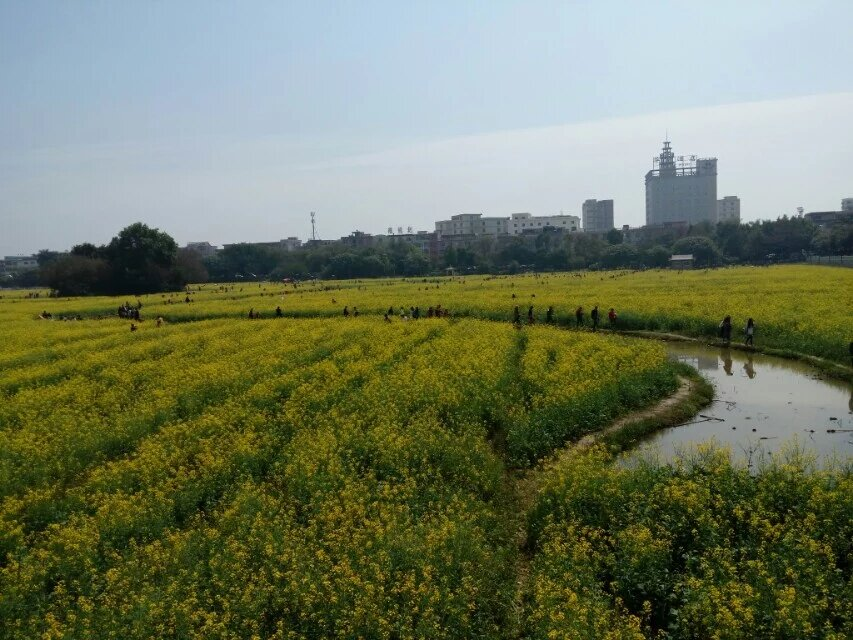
[313, 228]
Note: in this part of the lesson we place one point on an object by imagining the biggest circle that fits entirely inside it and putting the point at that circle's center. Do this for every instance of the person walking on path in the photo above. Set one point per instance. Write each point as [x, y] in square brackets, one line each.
[594, 316]
[726, 329]
[749, 332]
[579, 317]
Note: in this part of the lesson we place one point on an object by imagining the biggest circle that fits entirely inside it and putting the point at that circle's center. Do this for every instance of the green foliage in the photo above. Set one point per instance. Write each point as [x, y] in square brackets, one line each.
[704, 251]
[76, 275]
[614, 236]
[619, 256]
[658, 256]
[695, 548]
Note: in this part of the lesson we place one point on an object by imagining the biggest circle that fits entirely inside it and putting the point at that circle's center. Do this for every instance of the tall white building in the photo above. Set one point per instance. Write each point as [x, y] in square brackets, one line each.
[682, 189]
[597, 216]
[728, 209]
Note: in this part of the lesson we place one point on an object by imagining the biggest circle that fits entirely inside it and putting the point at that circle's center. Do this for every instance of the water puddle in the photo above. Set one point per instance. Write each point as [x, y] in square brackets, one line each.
[761, 403]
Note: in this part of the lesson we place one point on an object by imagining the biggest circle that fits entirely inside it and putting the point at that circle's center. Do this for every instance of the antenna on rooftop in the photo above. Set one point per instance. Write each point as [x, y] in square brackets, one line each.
[313, 228]
[800, 212]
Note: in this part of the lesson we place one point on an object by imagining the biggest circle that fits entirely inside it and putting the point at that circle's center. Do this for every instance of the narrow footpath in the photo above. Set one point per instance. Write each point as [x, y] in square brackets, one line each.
[524, 484]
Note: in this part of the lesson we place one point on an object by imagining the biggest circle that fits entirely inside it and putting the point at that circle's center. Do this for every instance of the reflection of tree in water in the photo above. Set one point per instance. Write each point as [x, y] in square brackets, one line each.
[748, 367]
[726, 356]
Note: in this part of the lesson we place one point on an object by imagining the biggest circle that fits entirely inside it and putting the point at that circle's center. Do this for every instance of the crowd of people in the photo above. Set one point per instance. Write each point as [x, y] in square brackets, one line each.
[132, 312]
[579, 317]
[129, 312]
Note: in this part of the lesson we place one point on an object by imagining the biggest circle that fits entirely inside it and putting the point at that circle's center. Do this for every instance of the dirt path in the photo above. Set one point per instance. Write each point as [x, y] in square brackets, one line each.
[526, 483]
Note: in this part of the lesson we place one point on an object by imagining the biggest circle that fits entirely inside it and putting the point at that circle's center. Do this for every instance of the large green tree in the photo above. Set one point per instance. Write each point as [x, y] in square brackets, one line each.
[142, 260]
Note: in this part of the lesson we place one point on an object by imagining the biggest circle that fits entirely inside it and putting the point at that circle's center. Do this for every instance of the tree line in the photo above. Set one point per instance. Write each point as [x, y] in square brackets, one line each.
[144, 260]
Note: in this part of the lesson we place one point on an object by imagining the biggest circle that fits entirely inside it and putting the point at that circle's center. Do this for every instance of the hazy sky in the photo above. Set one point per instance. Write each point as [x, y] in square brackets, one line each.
[232, 121]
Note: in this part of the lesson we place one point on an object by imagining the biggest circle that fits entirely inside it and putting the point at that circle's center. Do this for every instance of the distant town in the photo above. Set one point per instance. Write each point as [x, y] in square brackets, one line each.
[681, 193]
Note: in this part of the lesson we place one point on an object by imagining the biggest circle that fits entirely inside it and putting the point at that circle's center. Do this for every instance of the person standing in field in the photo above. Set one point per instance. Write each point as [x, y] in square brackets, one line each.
[594, 316]
[346, 312]
[516, 316]
[750, 332]
[579, 317]
[278, 312]
[549, 315]
[530, 318]
[611, 317]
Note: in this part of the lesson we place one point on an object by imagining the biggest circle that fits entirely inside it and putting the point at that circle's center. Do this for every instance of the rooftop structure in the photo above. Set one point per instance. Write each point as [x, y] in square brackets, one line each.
[681, 261]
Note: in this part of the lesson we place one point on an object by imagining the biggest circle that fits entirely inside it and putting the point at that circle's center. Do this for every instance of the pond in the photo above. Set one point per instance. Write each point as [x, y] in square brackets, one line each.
[760, 404]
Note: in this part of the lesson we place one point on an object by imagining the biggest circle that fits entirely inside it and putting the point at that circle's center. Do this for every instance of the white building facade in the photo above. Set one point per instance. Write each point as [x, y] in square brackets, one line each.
[728, 209]
[472, 224]
[526, 223]
[682, 189]
[597, 216]
[15, 264]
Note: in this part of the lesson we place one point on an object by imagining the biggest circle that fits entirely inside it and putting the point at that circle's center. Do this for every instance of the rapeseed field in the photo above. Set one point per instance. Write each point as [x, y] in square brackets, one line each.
[315, 476]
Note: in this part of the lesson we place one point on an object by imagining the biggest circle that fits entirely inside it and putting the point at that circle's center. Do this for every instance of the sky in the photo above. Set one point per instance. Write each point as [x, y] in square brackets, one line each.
[230, 122]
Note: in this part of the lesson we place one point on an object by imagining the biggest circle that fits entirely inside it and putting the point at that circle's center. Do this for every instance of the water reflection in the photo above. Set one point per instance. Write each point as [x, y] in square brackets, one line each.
[749, 367]
[726, 355]
[755, 415]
